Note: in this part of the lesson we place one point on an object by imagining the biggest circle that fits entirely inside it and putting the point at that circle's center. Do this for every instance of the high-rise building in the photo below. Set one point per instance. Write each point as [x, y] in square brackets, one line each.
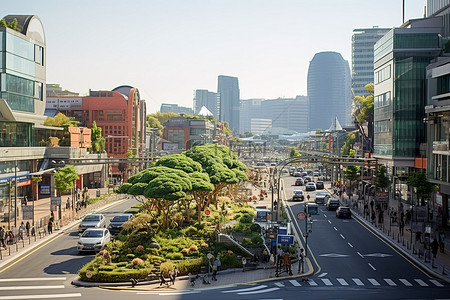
[229, 101]
[166, 107]
[329, 90]
[441, 9]
[207, 99]
[363, 41]
[286, 113]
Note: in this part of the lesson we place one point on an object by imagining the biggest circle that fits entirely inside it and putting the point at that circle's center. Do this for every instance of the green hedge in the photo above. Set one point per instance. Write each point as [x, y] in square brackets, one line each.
[114, 276]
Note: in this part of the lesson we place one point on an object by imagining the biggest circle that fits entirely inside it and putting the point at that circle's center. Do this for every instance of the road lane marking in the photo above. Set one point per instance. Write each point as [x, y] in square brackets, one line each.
[323, 274]
[421, 282]
[350, 244]
[246, 289]
[342, 236]
[436, 283]
[279, 284]
[357, 281]
[405, 282]
[295, 283]
[342, 281]
[335, 228]
[31, 287]
[32, 279]
[312, 282]
[327, 281]
[372, 267]
[329, 221]
[373, 281]
[390, 282]
[163, 293]
[259, 291]
[49, 296]
[360, 254]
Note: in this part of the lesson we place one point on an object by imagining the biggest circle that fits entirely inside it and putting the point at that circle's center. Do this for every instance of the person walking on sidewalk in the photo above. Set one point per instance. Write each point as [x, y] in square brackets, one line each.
[27, 227]
[216, 265]
[21, 230]
[434, 247]
[442, 241]
[50, 226]
[401, 226]
[2, 236]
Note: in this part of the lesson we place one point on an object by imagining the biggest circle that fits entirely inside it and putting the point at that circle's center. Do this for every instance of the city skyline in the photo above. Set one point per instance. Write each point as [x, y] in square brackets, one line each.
[169, 49]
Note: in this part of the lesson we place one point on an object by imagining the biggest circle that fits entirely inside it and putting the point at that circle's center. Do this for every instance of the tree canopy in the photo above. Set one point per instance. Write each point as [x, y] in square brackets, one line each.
[65, 177]
[381, 180]
[13, 24]
[423, 188]
[61, 120]
[346, 149]
[97, 140]
[364, 113]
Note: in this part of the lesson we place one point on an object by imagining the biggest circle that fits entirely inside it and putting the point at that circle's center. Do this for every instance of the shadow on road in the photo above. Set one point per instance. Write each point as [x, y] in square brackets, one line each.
[70, 266]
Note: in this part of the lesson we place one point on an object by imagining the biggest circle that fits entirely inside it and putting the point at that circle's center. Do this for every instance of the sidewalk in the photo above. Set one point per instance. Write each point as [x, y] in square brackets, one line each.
[68, 219]
[405, 242]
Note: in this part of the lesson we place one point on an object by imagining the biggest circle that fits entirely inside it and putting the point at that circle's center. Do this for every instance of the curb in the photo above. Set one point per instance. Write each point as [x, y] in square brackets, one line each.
[404, 252]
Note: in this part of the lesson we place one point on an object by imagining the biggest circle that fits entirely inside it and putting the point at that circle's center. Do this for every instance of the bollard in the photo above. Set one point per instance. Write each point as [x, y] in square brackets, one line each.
[1, 254]
[432, 263]
[17, 247]
[29, 240]
[403, 241]
[9, 250]
[443, 270]
[23, 243]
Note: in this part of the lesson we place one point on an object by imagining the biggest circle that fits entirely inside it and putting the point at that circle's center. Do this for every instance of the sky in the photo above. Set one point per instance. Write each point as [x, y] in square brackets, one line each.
[169, 48]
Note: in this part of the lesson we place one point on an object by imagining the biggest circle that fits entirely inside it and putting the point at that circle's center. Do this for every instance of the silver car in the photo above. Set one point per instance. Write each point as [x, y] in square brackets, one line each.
[92, 221]
[93, 239]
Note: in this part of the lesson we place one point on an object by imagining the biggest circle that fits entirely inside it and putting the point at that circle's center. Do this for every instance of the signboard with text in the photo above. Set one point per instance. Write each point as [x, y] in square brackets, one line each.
[44, 189]
[27, 212]
[285, 239]
[55, 202]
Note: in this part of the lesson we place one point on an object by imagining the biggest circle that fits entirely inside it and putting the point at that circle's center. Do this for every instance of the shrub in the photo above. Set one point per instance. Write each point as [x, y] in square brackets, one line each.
[246, 218]
[185, 251]
[190, 231]
[130, 256]
[121, 264]
[137, 261]
[140, 248]
[106, 268]
[193, 248]
[115, 276]
[189, 266]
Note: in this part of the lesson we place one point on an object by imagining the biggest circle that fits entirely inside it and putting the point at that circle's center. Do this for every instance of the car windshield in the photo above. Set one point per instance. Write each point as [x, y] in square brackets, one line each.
[345, 209]
[120, 219]
[92, 218]
[298, 192]
[92, 233]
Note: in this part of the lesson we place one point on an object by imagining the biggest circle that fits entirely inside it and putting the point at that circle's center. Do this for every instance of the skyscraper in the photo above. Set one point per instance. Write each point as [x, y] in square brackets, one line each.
[363, 41]
[207, 99]
[228, 93]
[329, 91]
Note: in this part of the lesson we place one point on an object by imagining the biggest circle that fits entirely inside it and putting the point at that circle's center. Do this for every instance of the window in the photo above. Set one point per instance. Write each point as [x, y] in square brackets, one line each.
[382, 126]
[383, 74]
[382, 100]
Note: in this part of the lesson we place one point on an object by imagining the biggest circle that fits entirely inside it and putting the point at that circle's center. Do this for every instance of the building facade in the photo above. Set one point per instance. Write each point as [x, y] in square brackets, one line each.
[229, 101]
[207, 99]
[363, 41]
[166, 107]
[329, 90]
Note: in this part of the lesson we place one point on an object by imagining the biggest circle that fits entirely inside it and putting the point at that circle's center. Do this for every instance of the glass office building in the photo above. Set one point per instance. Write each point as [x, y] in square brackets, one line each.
[22, 80]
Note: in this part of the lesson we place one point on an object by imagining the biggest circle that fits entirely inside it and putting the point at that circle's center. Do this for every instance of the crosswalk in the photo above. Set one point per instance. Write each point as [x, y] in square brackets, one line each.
[34, 288]
[333, 282]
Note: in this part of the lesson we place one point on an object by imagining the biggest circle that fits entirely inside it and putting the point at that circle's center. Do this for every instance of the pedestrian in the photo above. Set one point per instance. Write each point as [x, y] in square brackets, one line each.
[373, 217]
[50, 226]
[25, 200]
[434, 247]
[216, 265]
[2, 236]
[408, 216]
[33, 231]
[21, 230]
[68, 203]
[279, 258]
[162, 280]
[171, 277]
[287, 263]
[27, 227]
[401, 226]
[301, 258]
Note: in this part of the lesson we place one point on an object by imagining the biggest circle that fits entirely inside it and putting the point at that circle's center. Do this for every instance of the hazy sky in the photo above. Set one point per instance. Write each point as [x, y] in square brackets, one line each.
[169, 48]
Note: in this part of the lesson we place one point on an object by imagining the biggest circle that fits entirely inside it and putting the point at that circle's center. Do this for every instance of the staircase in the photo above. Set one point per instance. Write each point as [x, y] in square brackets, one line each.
[226, 239]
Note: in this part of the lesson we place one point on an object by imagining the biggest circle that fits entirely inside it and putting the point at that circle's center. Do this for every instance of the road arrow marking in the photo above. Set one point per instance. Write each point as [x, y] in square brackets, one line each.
[377, 255]
[334, 255]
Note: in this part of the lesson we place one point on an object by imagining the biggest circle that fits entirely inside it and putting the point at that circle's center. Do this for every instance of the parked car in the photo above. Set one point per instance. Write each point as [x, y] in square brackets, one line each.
[92, 221]
[93, 239]
[333, 204]
[343, 212]
[115, 225]
[298, 195]
[299, 181]
[310, 186]
[320, 185]
[322, 197]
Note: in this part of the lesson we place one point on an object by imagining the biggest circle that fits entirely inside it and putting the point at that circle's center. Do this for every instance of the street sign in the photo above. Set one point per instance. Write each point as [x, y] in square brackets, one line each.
[54, 203]
[27, 212]
[207, 212]
[285, 239]
[301, 216]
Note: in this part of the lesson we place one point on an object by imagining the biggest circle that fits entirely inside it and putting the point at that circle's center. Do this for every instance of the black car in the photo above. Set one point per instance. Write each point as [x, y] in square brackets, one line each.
[299, 181]
[343, 212]
[319, 185]
[298, 195]
[115, 226]
[333, 204]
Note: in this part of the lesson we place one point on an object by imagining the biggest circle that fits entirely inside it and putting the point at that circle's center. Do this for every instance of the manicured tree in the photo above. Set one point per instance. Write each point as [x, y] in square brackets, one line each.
[201, 189]
[64, 178]
[364, 113]
[423, 188]
[351, 174]
[97, 140]
[381, 180]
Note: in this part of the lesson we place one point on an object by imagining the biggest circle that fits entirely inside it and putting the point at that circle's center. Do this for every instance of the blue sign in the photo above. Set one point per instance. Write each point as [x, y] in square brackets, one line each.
[285, 239]
[45, 189]
[282, 230]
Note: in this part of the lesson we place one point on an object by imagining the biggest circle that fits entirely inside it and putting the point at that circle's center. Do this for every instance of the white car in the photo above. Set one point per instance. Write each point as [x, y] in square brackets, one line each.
[310, 186]
[93, 239]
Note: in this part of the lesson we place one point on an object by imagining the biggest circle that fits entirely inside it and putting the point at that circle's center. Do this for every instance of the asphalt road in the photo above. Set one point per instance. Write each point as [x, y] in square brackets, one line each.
[50, 268]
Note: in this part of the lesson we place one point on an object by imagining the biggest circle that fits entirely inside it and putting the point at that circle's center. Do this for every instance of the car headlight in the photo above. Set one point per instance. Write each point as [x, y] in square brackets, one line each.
[80, 243]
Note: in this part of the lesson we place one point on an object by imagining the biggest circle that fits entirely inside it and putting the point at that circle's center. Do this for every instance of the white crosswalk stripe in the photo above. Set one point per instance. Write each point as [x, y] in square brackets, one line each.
[295, 283]
[33, 288]
[373, 281]
[436, 283]
[421, 282]
[327, 282]
[390, 282]
[406, 282]
[359, 282]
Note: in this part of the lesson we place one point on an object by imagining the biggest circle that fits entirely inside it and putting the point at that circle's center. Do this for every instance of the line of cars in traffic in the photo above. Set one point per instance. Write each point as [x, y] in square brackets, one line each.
[93, 232]
[325, 199]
